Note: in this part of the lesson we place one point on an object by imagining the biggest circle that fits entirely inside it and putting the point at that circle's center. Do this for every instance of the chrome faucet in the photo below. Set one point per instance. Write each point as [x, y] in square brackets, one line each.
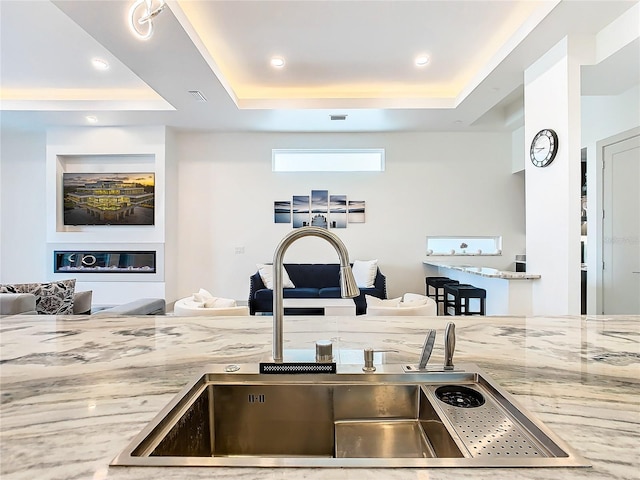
[348, 287]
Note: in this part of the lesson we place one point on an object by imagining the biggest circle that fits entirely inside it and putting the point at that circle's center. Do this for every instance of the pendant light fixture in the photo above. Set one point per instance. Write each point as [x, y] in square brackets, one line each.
[141, 15]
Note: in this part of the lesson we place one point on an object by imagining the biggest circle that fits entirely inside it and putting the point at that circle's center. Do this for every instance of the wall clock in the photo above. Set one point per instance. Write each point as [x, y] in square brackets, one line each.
[544, 148]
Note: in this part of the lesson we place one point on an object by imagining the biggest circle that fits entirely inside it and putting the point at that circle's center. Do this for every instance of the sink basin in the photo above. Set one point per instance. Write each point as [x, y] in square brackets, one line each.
[393, 418]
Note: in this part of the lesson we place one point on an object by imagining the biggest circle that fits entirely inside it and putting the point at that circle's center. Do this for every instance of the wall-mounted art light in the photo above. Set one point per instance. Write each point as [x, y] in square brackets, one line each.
[141, 15]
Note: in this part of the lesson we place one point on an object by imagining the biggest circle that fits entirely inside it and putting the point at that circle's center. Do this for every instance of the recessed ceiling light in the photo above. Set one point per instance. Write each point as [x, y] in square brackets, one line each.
[277, 62]
[92, 119]
[100, 64]
[422, 60]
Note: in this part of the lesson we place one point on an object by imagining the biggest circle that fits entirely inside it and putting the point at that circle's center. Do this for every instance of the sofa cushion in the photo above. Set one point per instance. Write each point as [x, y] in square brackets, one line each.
[300, 292]
[330, 292]
[314, 275]
[52, 298]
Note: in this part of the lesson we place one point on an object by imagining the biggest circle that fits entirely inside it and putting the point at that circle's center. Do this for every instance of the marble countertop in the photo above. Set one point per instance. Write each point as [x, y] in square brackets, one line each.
[485, 271]
[75, 390]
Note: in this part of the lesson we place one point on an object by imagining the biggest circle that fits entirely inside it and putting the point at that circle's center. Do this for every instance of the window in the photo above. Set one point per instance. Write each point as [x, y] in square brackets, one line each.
[464, 245]
[325, 160]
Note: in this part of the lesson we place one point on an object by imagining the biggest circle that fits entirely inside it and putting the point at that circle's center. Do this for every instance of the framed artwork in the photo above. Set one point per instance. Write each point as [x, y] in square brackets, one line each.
[108, 198]
[300, 209]
[319, 208]
[356, 211]
[338, 211]
[282, 211]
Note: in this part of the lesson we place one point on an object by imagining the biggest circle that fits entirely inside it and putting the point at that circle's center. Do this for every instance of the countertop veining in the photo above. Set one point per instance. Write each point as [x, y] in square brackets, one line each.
[75, 390]
[485, 271]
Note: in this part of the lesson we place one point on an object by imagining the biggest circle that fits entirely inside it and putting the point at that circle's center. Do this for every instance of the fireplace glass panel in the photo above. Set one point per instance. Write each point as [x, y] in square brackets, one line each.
[105, 261]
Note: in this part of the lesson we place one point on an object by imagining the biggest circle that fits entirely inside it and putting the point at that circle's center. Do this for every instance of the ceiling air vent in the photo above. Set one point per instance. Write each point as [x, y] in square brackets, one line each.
[197, 95]
[338, 117]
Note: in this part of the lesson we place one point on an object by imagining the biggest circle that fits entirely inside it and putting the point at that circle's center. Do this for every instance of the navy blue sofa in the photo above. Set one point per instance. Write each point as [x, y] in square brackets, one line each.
[312, 280]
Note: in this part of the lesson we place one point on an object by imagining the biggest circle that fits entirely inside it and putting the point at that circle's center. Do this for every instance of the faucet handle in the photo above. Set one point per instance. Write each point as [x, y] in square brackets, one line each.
[368, 358]
[449, 345]
[427, 348]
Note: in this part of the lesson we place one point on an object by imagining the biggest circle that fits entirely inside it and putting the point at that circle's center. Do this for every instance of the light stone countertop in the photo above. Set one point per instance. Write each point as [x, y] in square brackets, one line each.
[485, 271]
[75, 390]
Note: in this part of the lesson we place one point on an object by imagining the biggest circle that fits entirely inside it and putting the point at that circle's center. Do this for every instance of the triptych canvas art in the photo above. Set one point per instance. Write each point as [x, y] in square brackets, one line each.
[319, 210]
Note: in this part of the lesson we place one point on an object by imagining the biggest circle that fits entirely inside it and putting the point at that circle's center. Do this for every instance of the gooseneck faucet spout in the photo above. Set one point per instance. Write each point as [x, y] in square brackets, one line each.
[348, 287]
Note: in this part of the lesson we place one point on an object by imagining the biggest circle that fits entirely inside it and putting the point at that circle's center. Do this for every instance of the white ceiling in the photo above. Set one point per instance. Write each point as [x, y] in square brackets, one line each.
[342, 57]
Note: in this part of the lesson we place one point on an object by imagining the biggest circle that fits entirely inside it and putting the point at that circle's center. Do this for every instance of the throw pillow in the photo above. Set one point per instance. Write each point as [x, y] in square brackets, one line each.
[204, 299]
[82, 302]
[53, 298]
[365, 272]
[413, 300]
[202, 295]
[266, 274]
[216, 302]
[379, 302]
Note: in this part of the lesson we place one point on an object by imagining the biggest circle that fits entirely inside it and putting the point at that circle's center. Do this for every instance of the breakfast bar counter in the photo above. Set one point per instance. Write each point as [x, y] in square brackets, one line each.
[75, 390]
[508, 293]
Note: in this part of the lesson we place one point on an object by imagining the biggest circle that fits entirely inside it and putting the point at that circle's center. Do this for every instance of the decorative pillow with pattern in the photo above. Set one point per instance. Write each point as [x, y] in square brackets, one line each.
[53, 298]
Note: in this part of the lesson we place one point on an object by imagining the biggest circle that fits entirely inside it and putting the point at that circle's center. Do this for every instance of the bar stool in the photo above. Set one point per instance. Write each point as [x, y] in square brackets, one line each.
[458, 296]
[437, 284]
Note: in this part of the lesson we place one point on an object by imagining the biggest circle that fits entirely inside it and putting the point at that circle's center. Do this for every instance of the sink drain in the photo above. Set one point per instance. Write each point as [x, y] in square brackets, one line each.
[459, 396]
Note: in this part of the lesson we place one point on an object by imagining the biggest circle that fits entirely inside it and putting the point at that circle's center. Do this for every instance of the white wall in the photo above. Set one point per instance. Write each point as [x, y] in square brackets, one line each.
[32, 166]
[23, 216]
[434, 184]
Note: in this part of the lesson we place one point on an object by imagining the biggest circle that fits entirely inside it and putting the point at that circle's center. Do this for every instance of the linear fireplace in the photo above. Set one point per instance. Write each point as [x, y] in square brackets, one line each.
[103, 261]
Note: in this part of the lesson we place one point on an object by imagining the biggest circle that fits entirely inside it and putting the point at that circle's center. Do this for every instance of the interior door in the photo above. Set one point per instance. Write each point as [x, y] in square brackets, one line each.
[621, 227]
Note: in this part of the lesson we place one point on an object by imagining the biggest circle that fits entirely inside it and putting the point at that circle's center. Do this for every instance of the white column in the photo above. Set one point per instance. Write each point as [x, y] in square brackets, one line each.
[552, 193]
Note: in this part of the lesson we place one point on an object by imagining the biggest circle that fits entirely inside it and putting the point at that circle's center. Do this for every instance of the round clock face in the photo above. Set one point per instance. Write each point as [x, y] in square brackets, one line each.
[544, 148]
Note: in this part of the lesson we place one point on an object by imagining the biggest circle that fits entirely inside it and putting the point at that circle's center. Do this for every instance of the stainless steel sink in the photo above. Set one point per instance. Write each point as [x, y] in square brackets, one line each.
[392, 418]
